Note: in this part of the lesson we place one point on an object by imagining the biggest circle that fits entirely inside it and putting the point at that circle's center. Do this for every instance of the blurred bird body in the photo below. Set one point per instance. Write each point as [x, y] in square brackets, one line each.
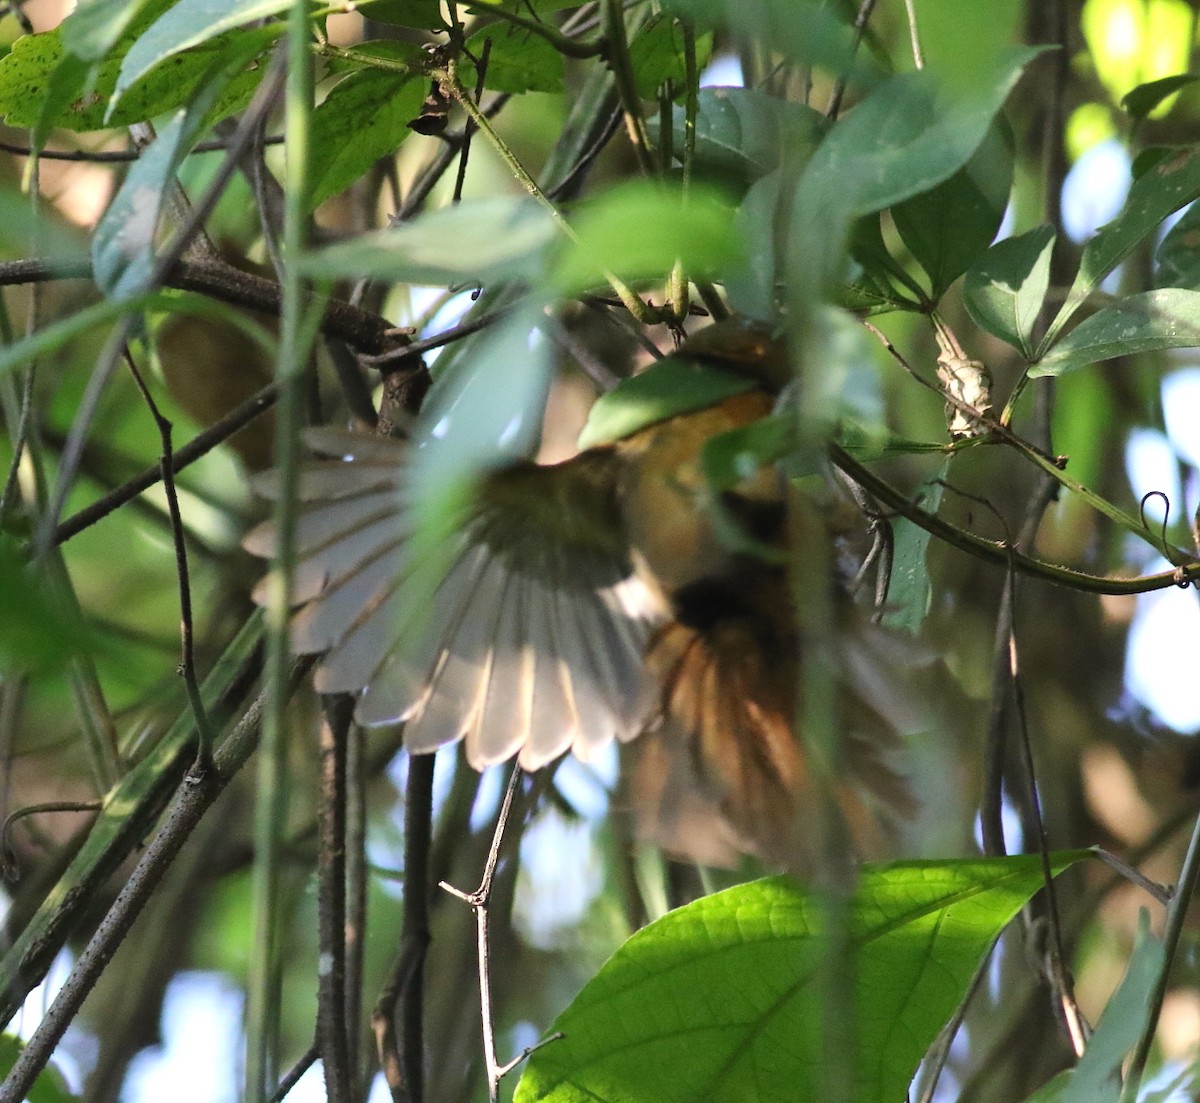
[598, 598]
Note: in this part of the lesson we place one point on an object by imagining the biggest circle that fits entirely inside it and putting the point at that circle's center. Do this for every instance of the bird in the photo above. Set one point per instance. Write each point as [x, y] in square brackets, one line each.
[613, 595]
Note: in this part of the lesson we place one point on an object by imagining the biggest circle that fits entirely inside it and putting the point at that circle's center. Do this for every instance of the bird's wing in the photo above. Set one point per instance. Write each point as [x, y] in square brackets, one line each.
[532, 641]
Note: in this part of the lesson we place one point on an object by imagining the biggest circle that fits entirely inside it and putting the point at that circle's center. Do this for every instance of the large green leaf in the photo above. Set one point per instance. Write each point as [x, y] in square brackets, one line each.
[639, 230]
[721, 1000]
[470, 243]
[1160, 191]
[946, 228]
[364, 118]
[1165, 319]
[909, 135]
[1005, 288]
[43, 86]
[185, 25]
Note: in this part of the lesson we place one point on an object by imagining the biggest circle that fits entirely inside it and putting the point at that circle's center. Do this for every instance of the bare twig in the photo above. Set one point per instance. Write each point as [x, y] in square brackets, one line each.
[307, 1060]
[332, 1024]
[112, 156]
[187, 666]
[478, 901]
[402, 1052]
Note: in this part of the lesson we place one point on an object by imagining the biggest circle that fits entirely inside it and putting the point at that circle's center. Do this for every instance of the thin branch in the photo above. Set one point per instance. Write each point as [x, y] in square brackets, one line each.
[356, 890]
[363, 329]
[861, 19]
[187, 666]
[200, 445]
[332, 1023]
[113, 156]
[478, 901]
[307, 1060]
[402, 1052]
[8, 865]
[1000, 553]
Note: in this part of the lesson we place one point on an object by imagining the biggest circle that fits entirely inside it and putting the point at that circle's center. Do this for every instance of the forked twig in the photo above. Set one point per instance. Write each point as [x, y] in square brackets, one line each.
[478, 901]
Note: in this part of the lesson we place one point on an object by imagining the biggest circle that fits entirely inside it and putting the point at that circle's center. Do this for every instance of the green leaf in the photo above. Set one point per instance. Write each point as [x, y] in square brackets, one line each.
[1178, 257]
[876, 286]
[470, 243]
[910, 592]
[1005, 288]
[947, 228]
[423, 15]
[671, 386]
[38, 631]
[657, 55]
[807, 32]
[1120, 1025]
[125, 241]
[187, 24]
[741, 131]
[640, 230]
[42, 86]
[1165, 319]
[96, 26]
[1146, 97]
[365, 117]
[906, 137]
[49, 1087]
[695, 1005]
[519, 61]
[1161, 191]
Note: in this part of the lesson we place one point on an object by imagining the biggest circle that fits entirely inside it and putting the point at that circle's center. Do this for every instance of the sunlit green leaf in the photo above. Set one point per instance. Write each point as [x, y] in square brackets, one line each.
[1005, 288]
[673, 385]
[1165, 319]
[638, 231]
[365, 117]
[470, 243]
[694, 1006]
[37, 67]
[187, 24]
[1172, 183]
[948, 227]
